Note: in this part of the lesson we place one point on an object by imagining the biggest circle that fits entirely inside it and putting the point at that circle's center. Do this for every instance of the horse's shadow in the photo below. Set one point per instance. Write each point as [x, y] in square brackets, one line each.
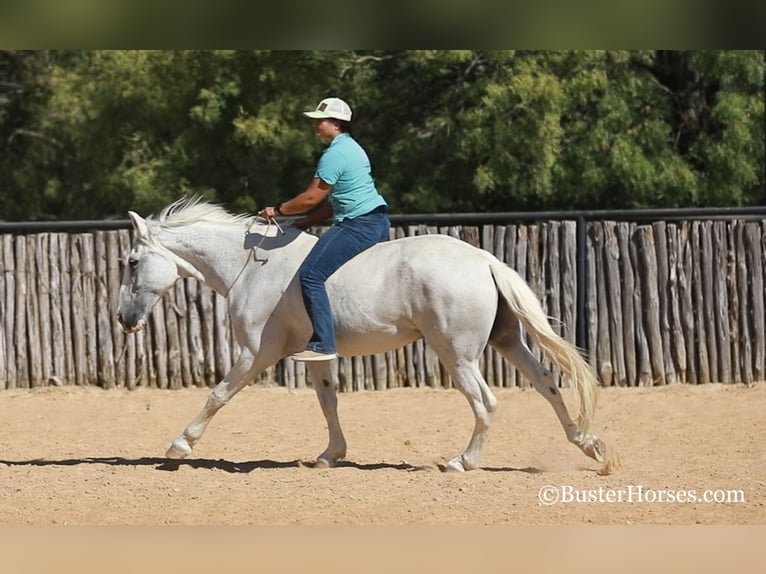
[166, 464]
[160, 463]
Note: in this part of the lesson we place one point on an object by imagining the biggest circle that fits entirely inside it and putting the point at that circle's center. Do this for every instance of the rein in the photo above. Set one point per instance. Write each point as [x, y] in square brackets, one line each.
[254, 248]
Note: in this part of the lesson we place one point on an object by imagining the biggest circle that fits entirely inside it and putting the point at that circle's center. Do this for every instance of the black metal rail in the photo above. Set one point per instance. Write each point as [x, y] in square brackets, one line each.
[450, 218]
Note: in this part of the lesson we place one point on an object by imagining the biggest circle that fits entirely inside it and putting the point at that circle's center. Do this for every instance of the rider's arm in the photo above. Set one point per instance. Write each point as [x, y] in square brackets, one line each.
[316, 192]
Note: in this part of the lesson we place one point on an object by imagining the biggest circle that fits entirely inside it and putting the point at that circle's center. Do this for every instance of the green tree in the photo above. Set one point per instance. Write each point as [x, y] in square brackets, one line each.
[149, 126]
[24, 143]
[488, 131]
[91, 134]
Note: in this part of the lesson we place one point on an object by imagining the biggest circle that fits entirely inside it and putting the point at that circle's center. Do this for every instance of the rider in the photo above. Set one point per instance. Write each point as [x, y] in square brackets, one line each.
[343, 188]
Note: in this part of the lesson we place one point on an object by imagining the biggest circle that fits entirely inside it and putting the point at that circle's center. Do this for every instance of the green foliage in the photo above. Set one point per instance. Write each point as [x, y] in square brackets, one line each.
[91, 134]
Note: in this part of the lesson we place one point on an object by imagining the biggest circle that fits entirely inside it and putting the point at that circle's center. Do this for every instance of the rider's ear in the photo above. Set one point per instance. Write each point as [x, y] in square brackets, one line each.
[139, 224]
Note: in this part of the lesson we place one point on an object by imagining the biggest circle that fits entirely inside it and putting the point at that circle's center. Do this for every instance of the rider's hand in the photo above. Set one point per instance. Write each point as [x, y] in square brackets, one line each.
[268, 213]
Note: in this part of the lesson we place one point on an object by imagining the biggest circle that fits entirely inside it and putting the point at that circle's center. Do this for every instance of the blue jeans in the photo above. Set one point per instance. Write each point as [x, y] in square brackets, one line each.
[335, 246]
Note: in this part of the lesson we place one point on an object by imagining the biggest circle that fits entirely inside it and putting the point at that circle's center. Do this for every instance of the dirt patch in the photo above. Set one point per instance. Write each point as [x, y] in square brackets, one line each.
[88, 456]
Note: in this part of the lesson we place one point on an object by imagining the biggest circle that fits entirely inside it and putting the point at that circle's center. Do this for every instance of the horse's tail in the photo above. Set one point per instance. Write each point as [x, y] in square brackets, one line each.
[526, 307]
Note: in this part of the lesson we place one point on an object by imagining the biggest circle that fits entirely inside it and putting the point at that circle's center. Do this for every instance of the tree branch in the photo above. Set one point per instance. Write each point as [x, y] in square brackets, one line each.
[33, 134]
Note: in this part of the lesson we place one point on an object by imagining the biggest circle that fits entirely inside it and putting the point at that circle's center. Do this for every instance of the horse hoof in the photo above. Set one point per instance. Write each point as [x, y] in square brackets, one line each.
[455, 465]
[324, 463]
[596, 449]
[180, 449]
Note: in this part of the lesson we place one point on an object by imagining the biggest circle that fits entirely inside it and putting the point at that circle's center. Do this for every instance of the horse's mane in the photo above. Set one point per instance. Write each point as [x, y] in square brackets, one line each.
[189, 210]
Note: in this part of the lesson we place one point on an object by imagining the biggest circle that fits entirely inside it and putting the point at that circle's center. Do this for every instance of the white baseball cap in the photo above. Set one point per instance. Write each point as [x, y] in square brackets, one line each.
[331, 108]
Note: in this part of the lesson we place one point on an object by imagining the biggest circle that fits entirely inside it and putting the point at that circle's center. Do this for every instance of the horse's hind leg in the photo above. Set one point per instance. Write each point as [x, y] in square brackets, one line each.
[466, 376]
[235, 380]
[515, 350]
[324, 380]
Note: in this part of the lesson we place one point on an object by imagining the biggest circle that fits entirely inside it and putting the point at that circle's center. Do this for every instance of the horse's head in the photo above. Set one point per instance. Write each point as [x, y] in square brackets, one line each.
[151, 269]
[192, 238]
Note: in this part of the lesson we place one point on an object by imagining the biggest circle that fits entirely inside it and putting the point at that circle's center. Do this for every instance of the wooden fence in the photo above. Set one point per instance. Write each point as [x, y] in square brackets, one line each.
[666, 302]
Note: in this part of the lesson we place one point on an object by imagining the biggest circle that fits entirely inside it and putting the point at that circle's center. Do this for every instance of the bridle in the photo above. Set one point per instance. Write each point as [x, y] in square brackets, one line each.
[197, 275]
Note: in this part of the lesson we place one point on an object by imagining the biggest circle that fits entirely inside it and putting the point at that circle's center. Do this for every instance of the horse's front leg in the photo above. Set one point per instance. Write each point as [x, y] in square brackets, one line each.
[243, 371]
[322, 375]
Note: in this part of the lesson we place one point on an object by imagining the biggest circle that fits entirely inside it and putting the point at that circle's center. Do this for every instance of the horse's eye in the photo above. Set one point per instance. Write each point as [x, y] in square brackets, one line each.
[133, 262]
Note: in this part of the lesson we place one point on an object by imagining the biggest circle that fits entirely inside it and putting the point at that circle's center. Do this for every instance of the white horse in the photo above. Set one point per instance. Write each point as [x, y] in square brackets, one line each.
[457, 297]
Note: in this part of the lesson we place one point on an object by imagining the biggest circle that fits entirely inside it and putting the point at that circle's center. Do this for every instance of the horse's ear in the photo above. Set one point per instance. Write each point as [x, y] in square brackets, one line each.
[139, 224]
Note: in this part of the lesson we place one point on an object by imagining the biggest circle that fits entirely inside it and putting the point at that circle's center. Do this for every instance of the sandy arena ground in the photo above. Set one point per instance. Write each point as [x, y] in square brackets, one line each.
[88, 456]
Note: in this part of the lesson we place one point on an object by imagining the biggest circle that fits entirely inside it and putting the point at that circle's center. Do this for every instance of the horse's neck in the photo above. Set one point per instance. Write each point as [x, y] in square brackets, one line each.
[220, 253]
[210, 251]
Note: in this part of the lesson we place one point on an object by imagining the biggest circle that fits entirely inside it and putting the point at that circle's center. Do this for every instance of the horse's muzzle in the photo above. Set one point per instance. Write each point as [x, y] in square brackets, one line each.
[130, 328]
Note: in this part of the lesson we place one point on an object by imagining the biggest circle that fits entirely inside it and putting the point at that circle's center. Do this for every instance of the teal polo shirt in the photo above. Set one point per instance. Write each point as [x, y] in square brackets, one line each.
[345, 166]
